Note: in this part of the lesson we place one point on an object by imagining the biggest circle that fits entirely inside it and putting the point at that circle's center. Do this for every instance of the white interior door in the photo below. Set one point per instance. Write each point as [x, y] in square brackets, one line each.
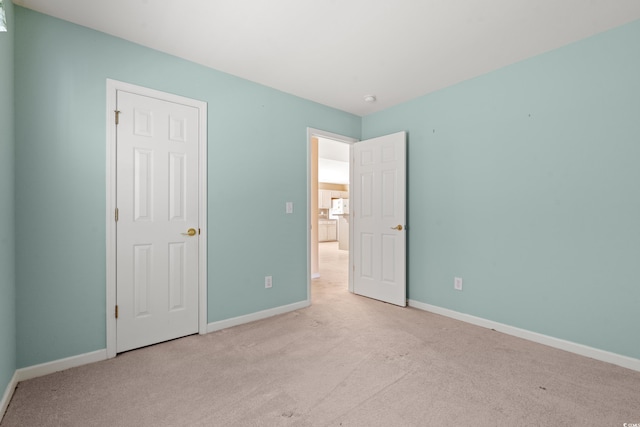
[157, 202]
[378, 206]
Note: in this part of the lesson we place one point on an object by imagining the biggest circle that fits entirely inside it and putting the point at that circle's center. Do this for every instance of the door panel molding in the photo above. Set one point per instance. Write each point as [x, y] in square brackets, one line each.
[112, 87]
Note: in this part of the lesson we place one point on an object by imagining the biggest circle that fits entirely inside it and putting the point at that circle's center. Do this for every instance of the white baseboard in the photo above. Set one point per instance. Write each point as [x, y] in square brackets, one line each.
[240, 320]
[315, 275]
[8, 394]
[60, 365]
[582, 350]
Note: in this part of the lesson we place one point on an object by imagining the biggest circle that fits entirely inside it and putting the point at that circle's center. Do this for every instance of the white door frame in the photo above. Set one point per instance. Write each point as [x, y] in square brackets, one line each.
[311, 132]
[112, 87]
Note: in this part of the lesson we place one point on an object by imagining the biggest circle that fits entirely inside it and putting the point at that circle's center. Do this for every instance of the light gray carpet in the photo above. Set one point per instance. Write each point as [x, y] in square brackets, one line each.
[345, 361]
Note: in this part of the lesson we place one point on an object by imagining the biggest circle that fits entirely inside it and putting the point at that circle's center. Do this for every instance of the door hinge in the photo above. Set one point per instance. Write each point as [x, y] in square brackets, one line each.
[116, 311]
[117, 214]
[117, 116]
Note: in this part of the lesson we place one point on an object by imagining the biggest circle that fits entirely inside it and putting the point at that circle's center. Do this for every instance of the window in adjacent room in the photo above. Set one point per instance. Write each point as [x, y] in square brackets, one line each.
[3, 19]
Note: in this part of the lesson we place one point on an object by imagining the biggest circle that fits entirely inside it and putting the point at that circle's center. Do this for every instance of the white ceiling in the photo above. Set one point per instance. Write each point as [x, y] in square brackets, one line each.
[336, 51]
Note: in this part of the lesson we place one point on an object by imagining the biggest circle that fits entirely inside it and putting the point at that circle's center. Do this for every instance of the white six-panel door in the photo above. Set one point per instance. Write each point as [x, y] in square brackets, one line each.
[378, 207]
[157, 202]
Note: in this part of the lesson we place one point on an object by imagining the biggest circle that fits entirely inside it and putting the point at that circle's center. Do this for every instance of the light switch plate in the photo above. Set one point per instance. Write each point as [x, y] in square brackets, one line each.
[289, 207]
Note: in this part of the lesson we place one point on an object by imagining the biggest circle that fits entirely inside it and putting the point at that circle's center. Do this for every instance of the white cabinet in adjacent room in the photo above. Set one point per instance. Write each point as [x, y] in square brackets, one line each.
[332, 231]
[343, 233]
[324, 199]
[322, 232]
[325, 196]
[327, 230]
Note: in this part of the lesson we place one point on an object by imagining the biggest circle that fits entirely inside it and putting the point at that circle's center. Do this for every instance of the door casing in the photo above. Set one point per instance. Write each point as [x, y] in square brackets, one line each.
[112, 87]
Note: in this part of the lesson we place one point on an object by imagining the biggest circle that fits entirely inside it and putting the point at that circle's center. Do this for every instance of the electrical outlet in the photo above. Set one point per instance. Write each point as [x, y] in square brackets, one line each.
[457, 283]
[289, 207]
[268, 281]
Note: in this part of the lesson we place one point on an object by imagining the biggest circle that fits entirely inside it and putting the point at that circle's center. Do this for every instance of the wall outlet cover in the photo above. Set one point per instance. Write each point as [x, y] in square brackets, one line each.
[457, 283]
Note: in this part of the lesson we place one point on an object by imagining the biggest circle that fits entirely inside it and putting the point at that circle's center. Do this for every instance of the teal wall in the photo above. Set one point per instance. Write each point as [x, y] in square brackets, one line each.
[525, 183]
[257, 161]
[7, 223]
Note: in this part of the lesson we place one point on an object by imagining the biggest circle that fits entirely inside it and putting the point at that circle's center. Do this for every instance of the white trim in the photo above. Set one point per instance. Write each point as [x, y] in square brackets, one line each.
[112, 87]
[330, 135]
[572, 347]
[47, 368]
[8, 394]
[240, 320]
[110, 223]
[311, 132]
[203, 260]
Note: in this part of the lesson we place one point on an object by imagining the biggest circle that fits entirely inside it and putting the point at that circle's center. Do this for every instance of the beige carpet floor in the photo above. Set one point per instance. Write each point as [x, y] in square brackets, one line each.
[344, 361]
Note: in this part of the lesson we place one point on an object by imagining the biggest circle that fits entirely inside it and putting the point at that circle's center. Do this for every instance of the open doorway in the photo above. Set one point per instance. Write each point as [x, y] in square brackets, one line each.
[333, 207]
[329, 217]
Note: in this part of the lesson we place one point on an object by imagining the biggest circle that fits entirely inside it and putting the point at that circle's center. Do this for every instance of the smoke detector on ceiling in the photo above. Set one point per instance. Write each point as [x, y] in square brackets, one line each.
[369, 98]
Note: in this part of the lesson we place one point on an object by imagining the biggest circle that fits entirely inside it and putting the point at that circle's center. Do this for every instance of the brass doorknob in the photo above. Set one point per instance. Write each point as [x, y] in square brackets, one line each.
[397, 227]
[190, 232]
